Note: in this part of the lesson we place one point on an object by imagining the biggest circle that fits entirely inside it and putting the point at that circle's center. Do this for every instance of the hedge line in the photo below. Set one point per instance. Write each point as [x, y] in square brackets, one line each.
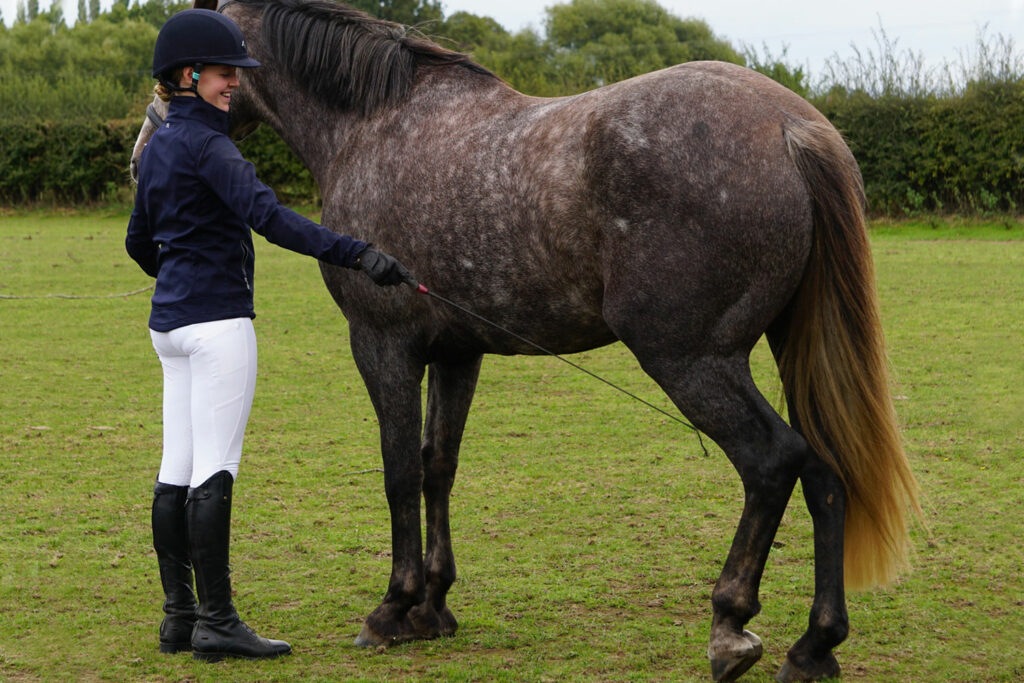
[71, 163]
[961, 154]
[64, 162]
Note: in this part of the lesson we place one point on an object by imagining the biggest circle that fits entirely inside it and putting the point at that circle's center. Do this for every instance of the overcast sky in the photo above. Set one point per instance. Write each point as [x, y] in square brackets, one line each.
[813, 30]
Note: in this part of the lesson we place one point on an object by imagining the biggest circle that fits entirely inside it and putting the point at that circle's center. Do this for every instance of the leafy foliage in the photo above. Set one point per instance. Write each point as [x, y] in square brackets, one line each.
[933, 140]
[409, 12]
[928, 140]
[83, 161]
[98, 69]
[778, 69]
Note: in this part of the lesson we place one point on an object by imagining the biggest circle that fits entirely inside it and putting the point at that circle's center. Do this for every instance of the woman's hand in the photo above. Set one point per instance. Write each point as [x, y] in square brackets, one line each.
[383, 269]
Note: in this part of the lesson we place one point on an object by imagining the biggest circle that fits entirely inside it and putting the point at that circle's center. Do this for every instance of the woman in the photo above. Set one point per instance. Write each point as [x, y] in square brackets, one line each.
[195, 201]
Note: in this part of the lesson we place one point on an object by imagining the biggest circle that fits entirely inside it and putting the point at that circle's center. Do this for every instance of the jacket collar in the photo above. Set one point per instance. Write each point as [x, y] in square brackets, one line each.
[198, 109]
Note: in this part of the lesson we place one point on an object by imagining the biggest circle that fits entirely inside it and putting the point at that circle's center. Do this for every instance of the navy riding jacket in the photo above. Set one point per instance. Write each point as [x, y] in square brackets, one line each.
[197, 202]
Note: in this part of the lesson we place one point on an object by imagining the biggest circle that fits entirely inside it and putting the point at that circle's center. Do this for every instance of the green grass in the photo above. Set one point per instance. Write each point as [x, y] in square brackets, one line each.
[588, 529]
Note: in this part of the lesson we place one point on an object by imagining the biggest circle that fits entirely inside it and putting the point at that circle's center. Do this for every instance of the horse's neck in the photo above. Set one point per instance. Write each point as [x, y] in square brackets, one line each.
[311, 130]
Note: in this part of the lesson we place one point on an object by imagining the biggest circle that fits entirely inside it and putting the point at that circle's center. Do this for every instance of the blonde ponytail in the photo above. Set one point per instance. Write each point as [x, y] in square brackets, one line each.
[161, 90]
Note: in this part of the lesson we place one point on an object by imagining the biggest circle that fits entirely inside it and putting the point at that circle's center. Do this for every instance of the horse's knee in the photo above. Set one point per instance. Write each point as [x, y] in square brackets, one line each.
[438, 467]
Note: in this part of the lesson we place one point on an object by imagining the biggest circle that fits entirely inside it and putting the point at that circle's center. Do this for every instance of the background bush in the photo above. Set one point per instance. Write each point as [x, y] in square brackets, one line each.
[941, 140]
[65, 162]
[960, 154]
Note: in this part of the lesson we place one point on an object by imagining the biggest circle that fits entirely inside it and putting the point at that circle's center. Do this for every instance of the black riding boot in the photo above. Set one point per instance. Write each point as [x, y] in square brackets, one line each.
[170, 540]
[219, 633]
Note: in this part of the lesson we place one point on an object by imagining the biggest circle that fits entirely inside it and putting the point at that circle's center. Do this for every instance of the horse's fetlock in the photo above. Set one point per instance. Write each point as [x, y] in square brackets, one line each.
[403, 595]
[831, 627]
[442, 575]
[735, 605]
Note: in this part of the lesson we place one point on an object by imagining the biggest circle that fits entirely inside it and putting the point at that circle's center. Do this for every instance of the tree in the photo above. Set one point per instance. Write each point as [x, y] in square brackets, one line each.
[56, 14]
[409, 12]
[603, 41]
[526, 61]
[469, 31]
[156, 12]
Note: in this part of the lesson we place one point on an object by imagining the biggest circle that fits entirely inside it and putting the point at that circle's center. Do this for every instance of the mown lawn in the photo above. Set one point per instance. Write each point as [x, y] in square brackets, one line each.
[589, 530]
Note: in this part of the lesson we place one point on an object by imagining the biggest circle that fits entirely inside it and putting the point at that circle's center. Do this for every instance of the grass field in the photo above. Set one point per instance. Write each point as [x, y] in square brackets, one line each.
[588, 529]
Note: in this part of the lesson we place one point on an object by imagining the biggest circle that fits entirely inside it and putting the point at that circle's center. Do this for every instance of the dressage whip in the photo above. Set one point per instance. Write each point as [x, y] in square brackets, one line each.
[423, 289]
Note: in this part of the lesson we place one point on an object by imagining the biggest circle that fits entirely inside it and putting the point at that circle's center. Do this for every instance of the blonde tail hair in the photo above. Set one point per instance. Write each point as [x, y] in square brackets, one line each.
[834, 366]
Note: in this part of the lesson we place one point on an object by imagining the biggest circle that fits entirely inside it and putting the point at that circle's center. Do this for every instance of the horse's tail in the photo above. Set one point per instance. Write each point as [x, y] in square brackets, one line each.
[834, 366]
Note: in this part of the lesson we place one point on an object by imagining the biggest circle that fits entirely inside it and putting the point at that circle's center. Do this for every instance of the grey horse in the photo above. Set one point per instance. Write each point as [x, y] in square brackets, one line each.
[685, 213]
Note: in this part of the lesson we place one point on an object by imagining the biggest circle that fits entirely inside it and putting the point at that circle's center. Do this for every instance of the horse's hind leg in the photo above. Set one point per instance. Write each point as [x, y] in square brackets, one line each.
[811, 658]
[449, 395]
[719, 396]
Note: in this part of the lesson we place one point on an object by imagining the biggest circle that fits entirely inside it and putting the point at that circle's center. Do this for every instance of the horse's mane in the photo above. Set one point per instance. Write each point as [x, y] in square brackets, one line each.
[347, 58]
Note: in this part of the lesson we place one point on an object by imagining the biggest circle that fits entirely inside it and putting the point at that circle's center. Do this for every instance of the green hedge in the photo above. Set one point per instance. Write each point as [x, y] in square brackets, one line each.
[71, 163]
[277, 166]
[962, 154]
[64, 162]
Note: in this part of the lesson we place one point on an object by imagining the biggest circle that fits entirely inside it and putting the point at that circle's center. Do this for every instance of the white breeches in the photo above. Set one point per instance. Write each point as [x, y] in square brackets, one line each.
[209, 380]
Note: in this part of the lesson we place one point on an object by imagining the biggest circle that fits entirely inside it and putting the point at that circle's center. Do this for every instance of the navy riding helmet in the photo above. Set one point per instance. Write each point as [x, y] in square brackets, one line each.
[196, 37]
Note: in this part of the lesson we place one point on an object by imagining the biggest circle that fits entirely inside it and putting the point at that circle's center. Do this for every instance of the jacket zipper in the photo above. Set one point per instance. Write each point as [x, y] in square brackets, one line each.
[245, 263]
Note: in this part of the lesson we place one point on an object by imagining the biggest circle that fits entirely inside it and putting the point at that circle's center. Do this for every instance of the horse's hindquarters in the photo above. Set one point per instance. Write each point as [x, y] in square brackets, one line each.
[705, 221]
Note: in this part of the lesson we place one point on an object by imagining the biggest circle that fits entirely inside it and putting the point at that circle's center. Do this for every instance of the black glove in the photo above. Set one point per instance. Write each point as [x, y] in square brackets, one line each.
[383, 269]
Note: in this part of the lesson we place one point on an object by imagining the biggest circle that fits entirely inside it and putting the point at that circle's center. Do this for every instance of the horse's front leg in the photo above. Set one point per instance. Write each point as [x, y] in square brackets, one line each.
[449, 395]
[393, 377]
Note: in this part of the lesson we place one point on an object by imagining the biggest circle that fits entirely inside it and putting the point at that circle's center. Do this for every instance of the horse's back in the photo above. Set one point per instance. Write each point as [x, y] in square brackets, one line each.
[691, 135]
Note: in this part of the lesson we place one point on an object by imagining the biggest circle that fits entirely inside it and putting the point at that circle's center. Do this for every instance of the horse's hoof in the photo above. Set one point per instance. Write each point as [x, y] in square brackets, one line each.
[386, 626]
[367, 638]
[730, 658]
[448, 623]
[792, 673]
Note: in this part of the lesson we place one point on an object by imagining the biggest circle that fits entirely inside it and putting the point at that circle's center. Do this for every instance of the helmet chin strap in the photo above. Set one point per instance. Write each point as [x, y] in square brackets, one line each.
[193, 87]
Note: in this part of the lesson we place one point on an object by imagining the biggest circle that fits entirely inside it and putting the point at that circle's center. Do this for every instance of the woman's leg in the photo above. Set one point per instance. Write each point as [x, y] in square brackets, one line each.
[209, 376]
[169, 521]
[170, 540]
[222, 363]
